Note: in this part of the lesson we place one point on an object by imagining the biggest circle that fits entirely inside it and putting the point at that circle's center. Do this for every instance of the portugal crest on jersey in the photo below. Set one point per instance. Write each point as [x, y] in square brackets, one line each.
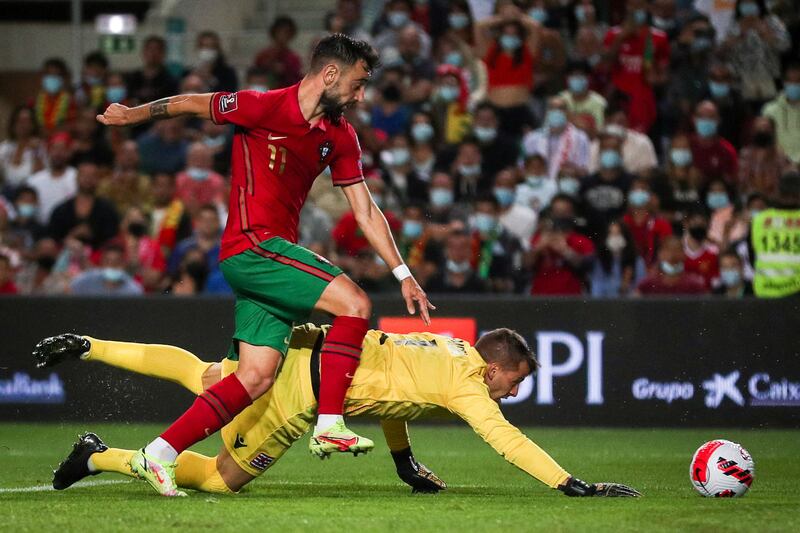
[325, 150]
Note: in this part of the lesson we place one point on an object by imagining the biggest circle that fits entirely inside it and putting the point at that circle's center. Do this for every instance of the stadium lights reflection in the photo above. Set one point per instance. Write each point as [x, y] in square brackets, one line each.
[117, 24]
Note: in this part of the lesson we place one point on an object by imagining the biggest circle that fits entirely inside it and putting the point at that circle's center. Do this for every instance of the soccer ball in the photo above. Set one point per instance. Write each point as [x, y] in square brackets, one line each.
[721, 469]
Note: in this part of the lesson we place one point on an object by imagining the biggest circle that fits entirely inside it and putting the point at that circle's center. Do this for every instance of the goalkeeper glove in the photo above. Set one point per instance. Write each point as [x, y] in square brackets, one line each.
[416, 474]
[576, 487]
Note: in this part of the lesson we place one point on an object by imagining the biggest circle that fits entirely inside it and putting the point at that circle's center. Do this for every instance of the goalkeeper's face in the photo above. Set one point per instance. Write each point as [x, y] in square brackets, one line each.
[504, 382]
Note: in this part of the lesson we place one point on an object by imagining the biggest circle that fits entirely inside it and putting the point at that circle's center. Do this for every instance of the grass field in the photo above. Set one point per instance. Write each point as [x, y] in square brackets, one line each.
[485, 493]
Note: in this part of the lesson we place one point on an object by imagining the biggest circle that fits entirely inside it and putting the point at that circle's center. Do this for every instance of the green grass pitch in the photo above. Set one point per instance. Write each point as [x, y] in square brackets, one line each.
[485, 493]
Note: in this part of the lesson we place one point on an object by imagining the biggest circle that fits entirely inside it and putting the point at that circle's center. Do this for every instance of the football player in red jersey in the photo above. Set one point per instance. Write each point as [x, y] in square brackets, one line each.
[284, 139]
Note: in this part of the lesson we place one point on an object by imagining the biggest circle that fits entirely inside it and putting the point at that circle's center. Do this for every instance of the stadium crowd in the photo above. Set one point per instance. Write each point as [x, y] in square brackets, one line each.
[542, 147]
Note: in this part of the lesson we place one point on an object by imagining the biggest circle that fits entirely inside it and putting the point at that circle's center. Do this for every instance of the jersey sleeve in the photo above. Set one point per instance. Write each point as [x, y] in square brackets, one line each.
[346, 163]
[471, 402]
[248, 109]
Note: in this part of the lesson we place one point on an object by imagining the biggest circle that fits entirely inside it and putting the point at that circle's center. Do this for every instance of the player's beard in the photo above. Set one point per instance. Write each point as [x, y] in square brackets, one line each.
[331, 106]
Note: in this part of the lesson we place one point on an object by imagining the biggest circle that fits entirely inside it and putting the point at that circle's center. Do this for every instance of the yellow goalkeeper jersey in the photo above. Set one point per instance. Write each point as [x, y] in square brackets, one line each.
[411, 375]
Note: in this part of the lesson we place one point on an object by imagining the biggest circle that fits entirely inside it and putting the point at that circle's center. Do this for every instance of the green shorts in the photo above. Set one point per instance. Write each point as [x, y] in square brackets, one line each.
[276, 284]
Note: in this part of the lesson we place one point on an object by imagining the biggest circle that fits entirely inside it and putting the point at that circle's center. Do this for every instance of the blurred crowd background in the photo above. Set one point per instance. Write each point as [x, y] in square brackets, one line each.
[611, 149]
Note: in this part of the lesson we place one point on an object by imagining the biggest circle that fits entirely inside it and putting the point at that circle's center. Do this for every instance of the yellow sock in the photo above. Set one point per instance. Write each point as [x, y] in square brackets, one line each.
[199, 472]
[113, 460]
[156, 360]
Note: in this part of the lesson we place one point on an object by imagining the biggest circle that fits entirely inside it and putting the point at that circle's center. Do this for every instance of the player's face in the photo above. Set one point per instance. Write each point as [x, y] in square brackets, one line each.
[346, 91]
[504, 382]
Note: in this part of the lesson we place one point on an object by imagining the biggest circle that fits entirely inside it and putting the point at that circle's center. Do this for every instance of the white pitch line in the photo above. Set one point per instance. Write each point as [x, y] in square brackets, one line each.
[45, 488]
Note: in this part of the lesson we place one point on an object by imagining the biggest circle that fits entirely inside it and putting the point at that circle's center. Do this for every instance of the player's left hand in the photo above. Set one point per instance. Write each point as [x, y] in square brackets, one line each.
[577, 488]
[416, 474]
[413, 293]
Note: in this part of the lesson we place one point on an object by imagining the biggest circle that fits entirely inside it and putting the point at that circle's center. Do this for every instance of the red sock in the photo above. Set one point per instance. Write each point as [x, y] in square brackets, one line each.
[339, 358]
[214, 408]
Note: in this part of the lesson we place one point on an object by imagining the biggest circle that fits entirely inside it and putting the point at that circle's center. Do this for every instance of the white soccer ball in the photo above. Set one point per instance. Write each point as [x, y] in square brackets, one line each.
[721, 469]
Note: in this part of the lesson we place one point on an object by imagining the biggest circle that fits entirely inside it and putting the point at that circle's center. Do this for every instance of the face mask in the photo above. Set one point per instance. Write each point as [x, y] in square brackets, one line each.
[706, 127]
[207, 55]
[93, 80]
[485, 135]
[458, 268]
[449, 93]
[397, 18]
[748, 9]
[719, 89]
[717, 200]
[577, 84]
[698, 233]
[52, 83]
[638, 198]
[535, 180]
[670, 269]
[458, 21]
[400, 156]
[469, 171]
[754, 213]
[681, 157]
[555, 119]
[616, 130]
[569, 186]
[594, 60]
[505, 197]
[509, 43]
[116, 95]
[113, 275]
[484, 223]
[422, 132]
[26, 210]
[610, 159]
[615, 243]
[701, 44]
[378, 199]
[539, 14]
[662, 23]
[792, 90]
[214, 142]
[640, 17]
[412, 229]
[197, 174]
[364, 116]
[580, 14]
[730, 277]
[763, 139]
[258, 88]
[441, 197]
[454, 58]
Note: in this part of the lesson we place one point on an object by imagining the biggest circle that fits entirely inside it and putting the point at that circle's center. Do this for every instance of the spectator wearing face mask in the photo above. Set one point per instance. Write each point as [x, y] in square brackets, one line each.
[729, 222]
[497, 253]
[498, 149]
[418, 69]
[588, 39]
[762, 162]
[754, 43]
[144, 259]
[54, 106]
[198, 184]
[420, 251]
[559, 256]
[724, 92]
[646, 228]
[701, 256]
[110, 279]
[457, 273]
[638, 56]
[444, 214]
[36, 276]
[617, 267]
[537, 189]
[116, 90]
[552, 53]
[784, 110]
[678, 186]
[692, 53]
[449, 105]
[580, 99]
[712, 155]
[26, 226]
[467, 169]
[637, 150]
[206, 239]
[396, 165]
[58, 181]
[603, 194]
[558, 141]
[732, 283]
[211, 64]
[671, 278]
[170, 221]
[516, 218]
[191, 276]
[91, 89]
[397, 16]
[423, 137]
[390, 115]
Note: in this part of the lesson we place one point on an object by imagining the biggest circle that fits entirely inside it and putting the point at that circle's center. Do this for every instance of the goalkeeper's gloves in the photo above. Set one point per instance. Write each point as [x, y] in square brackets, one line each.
[575, 487]
[416, 474]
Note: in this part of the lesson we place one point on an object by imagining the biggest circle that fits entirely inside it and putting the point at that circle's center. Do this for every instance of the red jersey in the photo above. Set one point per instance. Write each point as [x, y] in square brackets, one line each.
[552, 273]
[502, 70]
[715, 160]
[275, 159]
[703, 262]
[648, 236]
[349, 237]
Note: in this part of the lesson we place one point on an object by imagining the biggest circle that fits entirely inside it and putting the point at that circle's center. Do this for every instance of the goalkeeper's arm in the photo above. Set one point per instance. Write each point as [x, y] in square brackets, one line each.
[195, 105]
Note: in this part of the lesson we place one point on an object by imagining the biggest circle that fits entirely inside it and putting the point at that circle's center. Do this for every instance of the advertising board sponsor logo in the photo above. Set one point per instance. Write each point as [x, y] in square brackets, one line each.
[22, 388]
[668, 391]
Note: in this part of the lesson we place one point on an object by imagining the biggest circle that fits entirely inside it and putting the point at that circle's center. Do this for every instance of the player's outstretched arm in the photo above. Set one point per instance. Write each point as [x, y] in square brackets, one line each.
[576, 488]
[372, 222]
[415, 474]
[196, 105]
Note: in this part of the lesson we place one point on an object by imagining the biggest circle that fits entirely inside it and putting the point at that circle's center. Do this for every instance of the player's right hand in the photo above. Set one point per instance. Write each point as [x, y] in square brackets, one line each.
[577, 488]
[415, 474]
[115, 115]
[413, 294]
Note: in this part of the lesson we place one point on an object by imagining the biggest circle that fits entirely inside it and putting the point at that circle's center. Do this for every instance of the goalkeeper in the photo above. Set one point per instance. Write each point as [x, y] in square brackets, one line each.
[400, 378]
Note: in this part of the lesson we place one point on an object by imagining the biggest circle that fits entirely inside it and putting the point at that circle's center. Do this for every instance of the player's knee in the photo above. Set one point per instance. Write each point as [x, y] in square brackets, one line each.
[256, 380]
[359, 304]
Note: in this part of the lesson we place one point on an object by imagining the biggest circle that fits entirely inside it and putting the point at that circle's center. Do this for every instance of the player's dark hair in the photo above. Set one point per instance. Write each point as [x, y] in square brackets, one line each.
[507, 348]
[345, 50]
